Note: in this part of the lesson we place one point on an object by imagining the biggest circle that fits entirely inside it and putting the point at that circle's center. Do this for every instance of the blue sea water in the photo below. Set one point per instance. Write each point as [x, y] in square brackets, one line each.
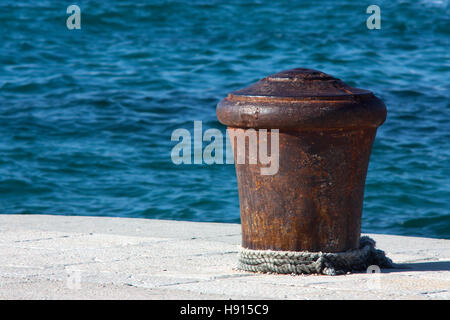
[86, 116]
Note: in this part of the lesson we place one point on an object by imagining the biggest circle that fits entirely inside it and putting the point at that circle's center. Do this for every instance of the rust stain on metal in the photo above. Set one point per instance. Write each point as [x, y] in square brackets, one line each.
[326, 132]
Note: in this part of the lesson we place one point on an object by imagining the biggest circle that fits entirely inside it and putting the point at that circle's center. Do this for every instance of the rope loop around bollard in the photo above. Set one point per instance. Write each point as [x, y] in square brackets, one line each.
[304, 262]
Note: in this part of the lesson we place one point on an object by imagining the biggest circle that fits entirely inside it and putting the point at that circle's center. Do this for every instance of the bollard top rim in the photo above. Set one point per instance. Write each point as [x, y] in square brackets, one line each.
[299, 83]
[301, 98]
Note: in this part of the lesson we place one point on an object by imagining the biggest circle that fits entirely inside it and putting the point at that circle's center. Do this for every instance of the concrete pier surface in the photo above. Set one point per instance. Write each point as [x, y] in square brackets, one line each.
[73, 257]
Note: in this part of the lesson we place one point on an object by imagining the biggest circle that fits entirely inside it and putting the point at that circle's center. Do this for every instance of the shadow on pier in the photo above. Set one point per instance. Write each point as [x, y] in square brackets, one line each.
[420, 266]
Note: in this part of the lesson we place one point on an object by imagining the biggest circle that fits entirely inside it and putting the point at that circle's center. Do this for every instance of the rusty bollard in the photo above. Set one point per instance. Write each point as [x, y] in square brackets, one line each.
[305, 218]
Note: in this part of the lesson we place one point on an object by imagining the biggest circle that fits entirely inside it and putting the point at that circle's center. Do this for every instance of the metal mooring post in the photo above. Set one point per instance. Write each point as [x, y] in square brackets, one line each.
[306, 217]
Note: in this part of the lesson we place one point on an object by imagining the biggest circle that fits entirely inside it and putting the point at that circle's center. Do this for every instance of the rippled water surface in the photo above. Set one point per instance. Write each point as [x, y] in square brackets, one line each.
[86, 115]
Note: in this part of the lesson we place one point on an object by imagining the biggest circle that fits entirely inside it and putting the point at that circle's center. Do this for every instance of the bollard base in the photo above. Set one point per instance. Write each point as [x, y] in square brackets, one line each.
[304, 262]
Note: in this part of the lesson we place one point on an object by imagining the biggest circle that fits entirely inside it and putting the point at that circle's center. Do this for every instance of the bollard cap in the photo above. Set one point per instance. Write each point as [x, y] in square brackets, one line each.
[302, 99]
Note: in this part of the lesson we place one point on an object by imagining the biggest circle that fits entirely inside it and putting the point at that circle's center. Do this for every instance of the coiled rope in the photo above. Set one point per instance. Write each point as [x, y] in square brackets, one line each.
[304, 262]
